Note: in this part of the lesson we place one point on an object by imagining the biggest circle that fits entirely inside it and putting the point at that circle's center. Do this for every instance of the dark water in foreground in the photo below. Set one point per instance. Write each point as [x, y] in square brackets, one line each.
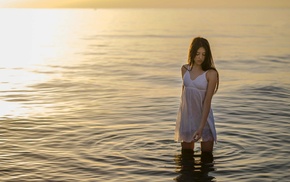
[98, 102]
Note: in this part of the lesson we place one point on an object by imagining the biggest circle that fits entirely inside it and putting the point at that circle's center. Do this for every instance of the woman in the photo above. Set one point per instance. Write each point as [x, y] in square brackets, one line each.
[195, 119]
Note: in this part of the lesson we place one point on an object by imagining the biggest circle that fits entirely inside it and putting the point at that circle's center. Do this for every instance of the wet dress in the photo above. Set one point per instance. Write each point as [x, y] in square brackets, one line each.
[190, 110]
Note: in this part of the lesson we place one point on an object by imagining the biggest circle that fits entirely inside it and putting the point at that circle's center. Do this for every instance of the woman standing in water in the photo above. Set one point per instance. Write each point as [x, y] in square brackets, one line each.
[195, 119]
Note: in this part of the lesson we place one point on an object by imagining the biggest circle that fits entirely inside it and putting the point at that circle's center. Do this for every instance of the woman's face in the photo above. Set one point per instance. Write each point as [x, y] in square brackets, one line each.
[200, 56]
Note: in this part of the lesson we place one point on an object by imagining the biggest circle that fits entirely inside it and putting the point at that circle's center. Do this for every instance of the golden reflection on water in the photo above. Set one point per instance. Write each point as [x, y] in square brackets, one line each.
[9, 108]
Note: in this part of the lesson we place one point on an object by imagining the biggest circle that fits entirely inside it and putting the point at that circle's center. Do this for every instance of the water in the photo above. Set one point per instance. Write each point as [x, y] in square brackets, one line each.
[92, 95]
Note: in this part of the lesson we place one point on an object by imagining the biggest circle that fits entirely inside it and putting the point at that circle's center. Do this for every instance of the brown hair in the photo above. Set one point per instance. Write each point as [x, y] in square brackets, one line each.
[208, 63]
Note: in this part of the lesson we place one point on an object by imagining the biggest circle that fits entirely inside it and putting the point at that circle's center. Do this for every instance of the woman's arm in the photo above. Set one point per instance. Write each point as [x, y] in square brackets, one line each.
[212, 80]
[183, 70]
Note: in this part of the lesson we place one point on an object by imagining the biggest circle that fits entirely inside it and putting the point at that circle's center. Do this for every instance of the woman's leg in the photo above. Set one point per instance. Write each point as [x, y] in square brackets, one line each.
[186, 145]
[207, 146]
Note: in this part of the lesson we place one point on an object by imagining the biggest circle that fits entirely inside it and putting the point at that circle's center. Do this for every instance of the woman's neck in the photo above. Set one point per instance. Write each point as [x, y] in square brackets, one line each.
[196, 67]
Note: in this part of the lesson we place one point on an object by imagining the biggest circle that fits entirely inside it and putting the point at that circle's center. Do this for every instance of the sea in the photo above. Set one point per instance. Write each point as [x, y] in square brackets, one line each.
[92, 94]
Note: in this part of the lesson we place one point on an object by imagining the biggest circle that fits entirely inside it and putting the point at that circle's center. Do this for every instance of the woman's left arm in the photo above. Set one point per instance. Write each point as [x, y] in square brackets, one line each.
[211, 77]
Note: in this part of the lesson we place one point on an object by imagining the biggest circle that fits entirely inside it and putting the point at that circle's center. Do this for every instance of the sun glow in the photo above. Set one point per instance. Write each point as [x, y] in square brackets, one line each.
[30, 39]
[23, 36]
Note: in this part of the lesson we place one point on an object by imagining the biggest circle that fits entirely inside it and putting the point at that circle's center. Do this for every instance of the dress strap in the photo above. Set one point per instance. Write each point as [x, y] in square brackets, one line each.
[187, 67]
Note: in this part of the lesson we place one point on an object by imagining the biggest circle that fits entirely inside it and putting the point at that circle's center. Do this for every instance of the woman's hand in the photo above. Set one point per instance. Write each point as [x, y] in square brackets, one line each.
[197, 135]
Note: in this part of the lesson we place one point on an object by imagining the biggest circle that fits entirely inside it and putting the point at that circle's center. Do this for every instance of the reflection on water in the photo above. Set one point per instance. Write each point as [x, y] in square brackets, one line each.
[194, 167]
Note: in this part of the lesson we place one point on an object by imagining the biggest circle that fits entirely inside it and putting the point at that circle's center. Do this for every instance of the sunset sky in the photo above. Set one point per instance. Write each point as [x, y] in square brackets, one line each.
[144, 4]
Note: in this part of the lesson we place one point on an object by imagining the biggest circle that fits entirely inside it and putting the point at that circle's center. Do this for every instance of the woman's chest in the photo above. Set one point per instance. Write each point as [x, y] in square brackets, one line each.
[199, 82]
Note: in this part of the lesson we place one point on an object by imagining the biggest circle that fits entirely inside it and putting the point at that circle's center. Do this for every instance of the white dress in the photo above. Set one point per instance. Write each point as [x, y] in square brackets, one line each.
[190, 111]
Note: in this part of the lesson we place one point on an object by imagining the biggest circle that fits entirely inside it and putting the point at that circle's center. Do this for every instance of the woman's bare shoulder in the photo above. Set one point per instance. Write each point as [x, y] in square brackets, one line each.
[184, 68]
[211, 74]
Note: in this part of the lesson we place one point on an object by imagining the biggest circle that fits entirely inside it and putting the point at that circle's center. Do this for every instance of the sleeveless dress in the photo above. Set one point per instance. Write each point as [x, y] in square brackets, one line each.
[190, 111]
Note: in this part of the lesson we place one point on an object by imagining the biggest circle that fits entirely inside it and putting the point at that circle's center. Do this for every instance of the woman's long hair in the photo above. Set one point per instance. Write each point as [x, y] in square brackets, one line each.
[208, 63]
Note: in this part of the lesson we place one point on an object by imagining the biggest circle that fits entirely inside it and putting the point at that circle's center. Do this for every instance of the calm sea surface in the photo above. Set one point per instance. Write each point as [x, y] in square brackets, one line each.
[92, 95]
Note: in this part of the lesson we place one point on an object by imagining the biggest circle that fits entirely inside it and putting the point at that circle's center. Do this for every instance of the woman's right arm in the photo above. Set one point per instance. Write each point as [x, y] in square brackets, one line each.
[183, 70]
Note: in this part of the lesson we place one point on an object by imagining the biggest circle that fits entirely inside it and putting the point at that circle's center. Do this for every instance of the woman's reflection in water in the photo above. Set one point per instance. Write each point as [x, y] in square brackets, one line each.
[194, 167]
